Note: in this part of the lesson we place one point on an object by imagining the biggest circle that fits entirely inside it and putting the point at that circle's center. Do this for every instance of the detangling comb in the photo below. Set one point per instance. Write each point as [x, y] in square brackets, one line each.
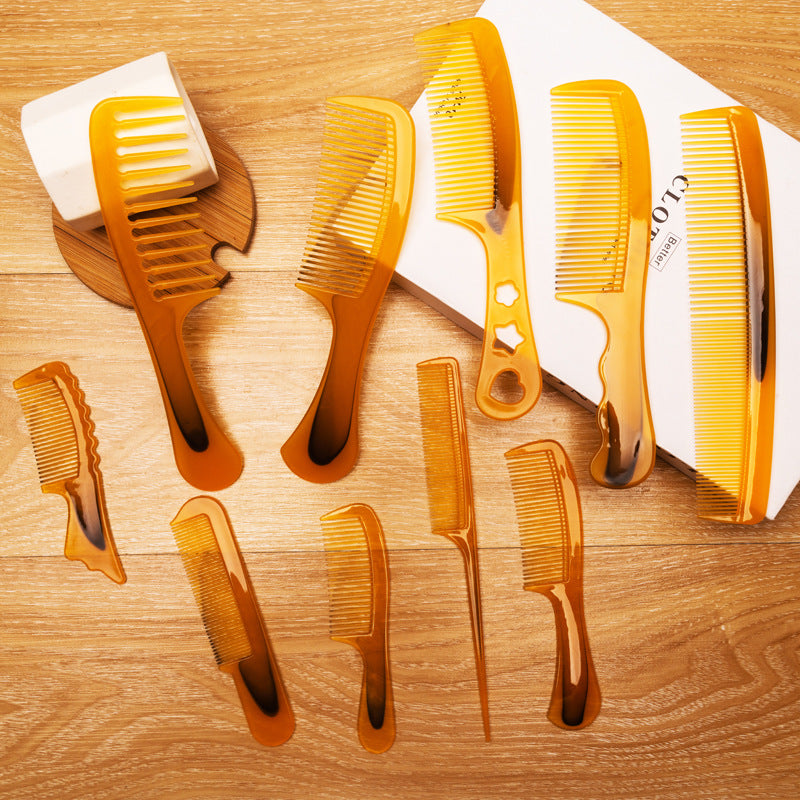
[551, 534]
[358, 584]
[449, 479]
[602, 185]
[65, 446]
[231, 616]
[476, 149]
[732, 299]
[138, 154]
[357, 227]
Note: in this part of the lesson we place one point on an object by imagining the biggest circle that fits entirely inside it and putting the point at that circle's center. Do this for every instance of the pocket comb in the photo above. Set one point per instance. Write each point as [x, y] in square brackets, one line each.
[476, 150]
[357, 227]
[358, 584]
[732, 301]
[65, 446]
[449, 479]
[551, 535]
[231, 617]
[138, 153]
[602, 184]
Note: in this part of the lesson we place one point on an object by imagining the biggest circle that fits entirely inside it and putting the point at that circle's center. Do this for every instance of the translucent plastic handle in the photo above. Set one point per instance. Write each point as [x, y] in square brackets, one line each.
[376, 725]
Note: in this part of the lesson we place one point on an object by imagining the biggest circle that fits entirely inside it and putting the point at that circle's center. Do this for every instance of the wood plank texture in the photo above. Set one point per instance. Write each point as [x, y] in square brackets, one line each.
[112, 692]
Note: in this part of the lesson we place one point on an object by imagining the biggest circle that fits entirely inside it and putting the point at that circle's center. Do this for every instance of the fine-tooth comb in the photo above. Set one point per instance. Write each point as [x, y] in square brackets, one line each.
[358, 585]
[602, 184]
[65, 446]
[231, 616]
[449, 479]
[476, 150]
[732, 312]
[551, 534]
[138, 154]
[357, 227]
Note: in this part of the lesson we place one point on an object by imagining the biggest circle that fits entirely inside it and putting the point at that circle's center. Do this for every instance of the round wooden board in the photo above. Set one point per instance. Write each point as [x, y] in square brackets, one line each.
[227, 216]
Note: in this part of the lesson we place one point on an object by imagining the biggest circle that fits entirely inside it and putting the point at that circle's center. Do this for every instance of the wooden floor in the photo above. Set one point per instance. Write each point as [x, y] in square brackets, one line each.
[111, 691]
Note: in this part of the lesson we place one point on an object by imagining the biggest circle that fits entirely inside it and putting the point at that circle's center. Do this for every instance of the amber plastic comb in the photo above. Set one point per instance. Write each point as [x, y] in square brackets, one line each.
[138, 154]
[551, 535]
[231, 616]
[357, 227]
[449, 479]
[732, 302]
[65, 446]
[476, 150]
[358, 585]
[602, 183]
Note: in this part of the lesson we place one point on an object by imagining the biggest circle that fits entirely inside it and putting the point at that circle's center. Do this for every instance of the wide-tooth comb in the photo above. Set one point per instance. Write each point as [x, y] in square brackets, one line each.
[138, 153]
[65, 446]
[476, 150]
[358, 584]
[357, 227]
[551, 534]
[449, 479]
[231, 616]
[732, 312]
[602, 184]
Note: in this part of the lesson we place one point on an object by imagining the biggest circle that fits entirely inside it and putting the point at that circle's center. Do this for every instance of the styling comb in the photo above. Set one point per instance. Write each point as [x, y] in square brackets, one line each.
[731, 288]
[551, 535]
[602, 184]
[358, 586]
[231, 616]
[138, 153]
[357, 227]
[476, 151]
[449, 479]
[65, 446]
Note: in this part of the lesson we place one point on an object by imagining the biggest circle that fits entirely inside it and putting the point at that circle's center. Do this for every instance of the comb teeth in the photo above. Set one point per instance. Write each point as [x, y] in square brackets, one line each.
[349, 577]
[461, 118]
[211, 585]
[354, 193]
[541, 516]
[52, 431]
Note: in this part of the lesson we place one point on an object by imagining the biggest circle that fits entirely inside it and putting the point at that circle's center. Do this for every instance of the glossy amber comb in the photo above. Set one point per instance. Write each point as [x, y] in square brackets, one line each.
[478, 185]
[733, 320]
[551, 535]
[65, 446]
[231, 616]
[357, 227]
[358, 584]
[449, 479]
[602, 184]
[138, 154]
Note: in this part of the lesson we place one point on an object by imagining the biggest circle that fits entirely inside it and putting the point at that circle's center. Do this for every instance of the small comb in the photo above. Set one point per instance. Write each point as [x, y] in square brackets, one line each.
[476, 150]
[551, 535]
[602, 184]
[358, 584]
[138, 152]
[731, 288]
[65, 446]
[449, 479]
[357, 227]
[231, 617]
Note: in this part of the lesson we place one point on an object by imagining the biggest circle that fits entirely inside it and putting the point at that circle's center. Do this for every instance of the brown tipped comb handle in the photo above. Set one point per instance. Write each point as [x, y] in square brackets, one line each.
[376, 725]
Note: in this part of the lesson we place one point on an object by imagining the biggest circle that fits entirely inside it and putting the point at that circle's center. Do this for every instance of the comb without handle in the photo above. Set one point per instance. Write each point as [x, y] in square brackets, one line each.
[65, 446]
[602, 181]
[476, 150]
[551, 535]
[231, 616]
[358, 584]
[731, 287]
[357, 227]
[138, 152]
[449, 479]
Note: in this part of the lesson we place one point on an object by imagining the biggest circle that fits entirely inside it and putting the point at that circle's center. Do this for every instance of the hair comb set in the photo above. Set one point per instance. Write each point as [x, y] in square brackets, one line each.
[358, 221]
